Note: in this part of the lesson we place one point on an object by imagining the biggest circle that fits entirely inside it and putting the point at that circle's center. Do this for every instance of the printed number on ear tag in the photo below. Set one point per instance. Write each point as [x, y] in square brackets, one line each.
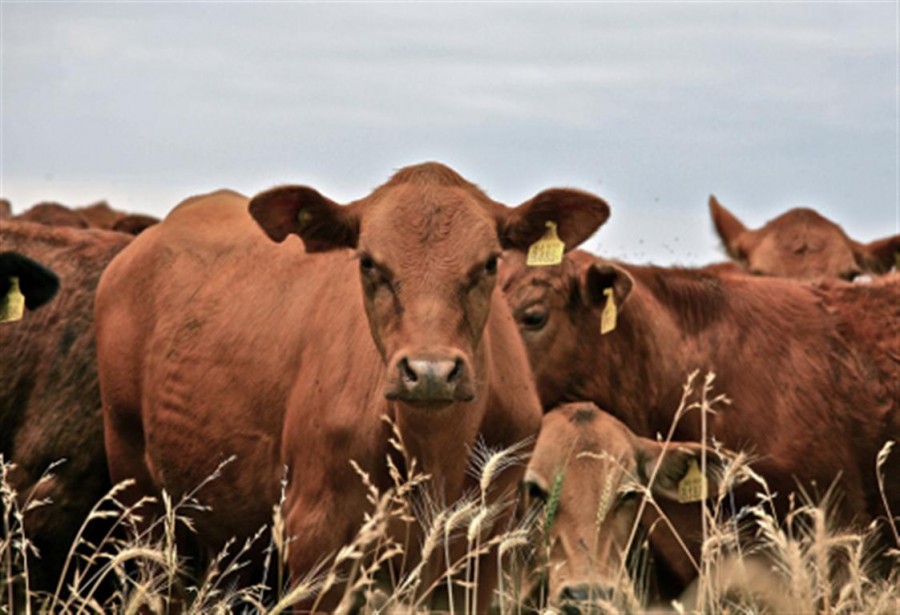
[548, 250]
[608, 317]
[692, 487]
[12, 306]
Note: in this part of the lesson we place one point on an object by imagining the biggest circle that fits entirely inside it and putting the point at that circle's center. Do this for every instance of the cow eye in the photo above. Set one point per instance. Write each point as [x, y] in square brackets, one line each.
[366, 263]
[534, 318]
[491, 265]
[535, 492]
[851, 275]
[627, 497]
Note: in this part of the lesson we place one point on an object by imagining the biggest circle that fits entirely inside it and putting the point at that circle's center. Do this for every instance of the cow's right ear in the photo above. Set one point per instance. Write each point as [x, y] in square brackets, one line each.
[598, 280]
[321, 223]
[729, 228]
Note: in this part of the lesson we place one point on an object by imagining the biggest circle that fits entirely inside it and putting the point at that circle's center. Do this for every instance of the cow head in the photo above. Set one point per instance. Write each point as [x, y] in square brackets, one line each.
[559, 312]
[428, 244]
[588, 471]
[801, 244]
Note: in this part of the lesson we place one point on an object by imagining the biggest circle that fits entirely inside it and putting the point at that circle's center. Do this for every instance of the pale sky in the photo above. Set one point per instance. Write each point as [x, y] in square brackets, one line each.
[653, 106]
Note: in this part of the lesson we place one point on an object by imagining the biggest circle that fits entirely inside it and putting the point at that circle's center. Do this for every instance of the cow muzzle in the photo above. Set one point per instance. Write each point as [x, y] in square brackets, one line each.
[430, 378]
[583, 598]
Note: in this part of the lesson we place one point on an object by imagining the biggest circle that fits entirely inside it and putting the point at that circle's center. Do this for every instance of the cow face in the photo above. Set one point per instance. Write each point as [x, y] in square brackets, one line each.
[428, 245]
[801, 244]
[558, 311]
[588, 471]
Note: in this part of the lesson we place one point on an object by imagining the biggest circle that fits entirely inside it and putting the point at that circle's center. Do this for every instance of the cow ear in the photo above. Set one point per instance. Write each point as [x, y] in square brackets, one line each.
[678, 477]
[729, 228]
[321, 223]
[36, 282]
[597, 280]
[577, 215]
[880, 255]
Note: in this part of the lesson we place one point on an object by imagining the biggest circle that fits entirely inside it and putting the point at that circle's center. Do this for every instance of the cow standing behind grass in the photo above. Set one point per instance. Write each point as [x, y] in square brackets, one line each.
[284, 339]
[812, 371]
[49, 395]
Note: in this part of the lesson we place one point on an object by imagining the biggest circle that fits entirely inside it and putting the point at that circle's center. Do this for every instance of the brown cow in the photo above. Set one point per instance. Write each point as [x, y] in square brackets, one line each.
[49, 395]
[596, 468]
[802, 244]
[99, 215]
[812, 394]
[215, 340]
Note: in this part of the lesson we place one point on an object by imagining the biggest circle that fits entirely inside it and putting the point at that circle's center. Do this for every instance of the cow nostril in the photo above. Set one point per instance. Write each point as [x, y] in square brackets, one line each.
[456, 372]
[407, 372]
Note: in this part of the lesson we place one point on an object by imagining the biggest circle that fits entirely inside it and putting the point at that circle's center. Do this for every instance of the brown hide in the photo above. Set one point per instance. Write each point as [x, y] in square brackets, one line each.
[812, 370]
[49, 396]
[802, 244]
[99, 216]
[53, 214]
[214, 340]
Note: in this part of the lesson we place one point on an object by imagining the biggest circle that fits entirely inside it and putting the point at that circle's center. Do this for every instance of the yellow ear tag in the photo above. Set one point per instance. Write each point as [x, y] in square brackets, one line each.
[692, 487]
[609, 315]
[12, 306]
[548, 250]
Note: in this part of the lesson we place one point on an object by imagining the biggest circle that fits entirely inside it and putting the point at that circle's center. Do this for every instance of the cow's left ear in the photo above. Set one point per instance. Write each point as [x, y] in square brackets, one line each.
[321, 223]
[679, 476]
[880, 255]
[577, 215]
[598, 279]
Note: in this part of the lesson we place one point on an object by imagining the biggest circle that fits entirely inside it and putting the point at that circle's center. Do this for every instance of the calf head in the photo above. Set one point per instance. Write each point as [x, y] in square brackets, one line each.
[559, 311]
[428, 244]
[589, 470]
[801, 244]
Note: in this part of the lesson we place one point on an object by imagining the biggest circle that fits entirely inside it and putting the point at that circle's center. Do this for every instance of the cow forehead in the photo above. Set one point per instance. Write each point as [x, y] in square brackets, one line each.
[572, 431]
[412, 220]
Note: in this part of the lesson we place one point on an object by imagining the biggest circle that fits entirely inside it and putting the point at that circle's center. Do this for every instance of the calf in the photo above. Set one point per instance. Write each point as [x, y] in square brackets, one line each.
[287, 348]
[812, 371]
[49, 396]
[802, 244]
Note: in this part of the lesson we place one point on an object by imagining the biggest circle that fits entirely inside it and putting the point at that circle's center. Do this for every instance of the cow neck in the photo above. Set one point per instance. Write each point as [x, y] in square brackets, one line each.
[636, 370]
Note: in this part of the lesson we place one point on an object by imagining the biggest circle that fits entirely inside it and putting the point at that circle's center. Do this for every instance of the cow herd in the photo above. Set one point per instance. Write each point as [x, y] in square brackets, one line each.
[279, 332]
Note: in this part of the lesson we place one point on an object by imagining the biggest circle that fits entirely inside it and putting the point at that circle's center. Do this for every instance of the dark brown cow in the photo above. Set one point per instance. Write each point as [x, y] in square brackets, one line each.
[99, 215]
[802, 244]
[813, 395]
[49, 395]
[215, 340]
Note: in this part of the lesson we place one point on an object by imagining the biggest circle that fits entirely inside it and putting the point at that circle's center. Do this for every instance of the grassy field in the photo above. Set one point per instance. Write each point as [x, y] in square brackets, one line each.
[800, 563]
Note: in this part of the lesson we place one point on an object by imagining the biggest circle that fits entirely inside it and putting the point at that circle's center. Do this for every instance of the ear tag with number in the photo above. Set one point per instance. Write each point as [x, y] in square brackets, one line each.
[12, 306]
[548, 250]
[692, 487]
[610, 313]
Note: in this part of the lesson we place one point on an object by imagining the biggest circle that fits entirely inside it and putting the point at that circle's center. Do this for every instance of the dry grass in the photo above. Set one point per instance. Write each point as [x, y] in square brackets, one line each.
[801, 563]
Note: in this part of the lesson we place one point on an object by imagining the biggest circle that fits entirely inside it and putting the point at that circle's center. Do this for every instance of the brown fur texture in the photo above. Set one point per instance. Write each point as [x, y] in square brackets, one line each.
[802, 244]
[812, 370]
[214, 340]
[99, 216]
[49, 396]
